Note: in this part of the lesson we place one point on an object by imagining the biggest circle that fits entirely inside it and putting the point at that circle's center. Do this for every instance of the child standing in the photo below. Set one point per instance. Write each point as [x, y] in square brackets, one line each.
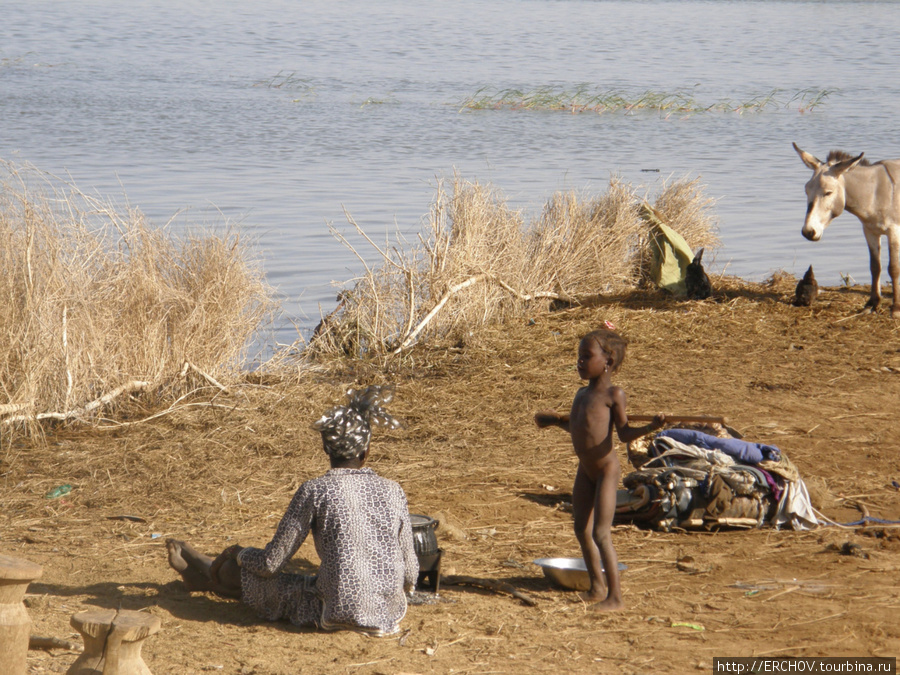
[596, 408]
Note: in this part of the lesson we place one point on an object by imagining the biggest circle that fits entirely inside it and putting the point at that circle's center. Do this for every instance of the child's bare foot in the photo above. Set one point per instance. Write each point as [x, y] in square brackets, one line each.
[194, 579]
[593, 597]
[608, 605]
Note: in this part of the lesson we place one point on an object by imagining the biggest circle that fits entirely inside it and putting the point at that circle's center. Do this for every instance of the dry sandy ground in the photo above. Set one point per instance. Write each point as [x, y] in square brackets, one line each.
[822, 383]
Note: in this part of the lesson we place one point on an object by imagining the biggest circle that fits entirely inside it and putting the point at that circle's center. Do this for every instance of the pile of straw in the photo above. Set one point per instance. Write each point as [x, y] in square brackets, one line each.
[94, 303]
[480, 263]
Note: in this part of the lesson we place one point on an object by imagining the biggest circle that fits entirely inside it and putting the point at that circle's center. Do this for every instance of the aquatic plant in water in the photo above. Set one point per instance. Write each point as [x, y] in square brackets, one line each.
[287, 81]
[586, 98]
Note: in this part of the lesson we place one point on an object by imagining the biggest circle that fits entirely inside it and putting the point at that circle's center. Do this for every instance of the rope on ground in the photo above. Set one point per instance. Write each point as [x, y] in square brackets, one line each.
[862, 522]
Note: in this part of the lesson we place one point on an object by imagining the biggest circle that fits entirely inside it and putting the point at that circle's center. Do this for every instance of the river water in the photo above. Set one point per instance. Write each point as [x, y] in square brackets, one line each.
[278, 115]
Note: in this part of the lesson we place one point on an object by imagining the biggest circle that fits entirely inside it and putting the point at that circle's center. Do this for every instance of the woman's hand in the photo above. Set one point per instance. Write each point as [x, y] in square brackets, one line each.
[230, 553]
[659, 421]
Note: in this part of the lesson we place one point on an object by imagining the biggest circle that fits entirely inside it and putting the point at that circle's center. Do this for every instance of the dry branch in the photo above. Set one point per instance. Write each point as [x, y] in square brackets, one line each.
[128, 387]
[456, 288]
[412, 335]
[206, 376]
[48, 643]
[491, 585]
[532, 296]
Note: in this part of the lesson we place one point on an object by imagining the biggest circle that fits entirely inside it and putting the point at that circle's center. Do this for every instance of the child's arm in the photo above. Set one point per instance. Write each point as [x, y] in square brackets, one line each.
[625, 431]
[550, 418]
[628, 433]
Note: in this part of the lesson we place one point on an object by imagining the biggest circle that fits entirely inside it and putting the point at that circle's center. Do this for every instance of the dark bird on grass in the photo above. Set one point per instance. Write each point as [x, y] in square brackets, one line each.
[696, 281]
[807, 290]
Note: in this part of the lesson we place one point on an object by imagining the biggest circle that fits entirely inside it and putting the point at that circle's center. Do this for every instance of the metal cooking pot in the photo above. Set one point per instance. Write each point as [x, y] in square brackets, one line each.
[424, 539]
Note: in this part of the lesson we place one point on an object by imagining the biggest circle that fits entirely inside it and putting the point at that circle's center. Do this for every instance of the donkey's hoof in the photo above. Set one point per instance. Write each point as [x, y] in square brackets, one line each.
[895, 313]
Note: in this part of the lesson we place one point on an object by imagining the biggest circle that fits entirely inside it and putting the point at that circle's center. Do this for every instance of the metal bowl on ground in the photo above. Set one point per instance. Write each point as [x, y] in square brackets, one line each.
[568, 572]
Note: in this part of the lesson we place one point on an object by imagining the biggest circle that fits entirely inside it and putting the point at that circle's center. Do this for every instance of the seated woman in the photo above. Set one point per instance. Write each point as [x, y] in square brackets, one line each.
[360, 525]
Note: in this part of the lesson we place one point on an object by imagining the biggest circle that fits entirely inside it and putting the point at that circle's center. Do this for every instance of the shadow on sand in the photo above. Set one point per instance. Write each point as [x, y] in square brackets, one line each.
[171, 597]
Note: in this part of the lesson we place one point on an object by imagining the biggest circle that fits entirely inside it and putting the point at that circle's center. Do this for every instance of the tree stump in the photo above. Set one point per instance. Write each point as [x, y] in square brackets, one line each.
[113, 641]
[15, 624]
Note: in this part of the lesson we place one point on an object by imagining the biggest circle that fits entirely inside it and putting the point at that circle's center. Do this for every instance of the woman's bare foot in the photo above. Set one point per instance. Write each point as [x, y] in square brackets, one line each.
[176, 562]
[181, 555]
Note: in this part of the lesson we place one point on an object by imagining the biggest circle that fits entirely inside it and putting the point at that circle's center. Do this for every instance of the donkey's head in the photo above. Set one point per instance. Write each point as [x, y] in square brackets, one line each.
[825, 192]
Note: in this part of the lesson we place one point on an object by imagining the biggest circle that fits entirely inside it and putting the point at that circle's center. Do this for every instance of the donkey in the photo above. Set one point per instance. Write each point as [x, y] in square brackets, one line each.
[869, 192]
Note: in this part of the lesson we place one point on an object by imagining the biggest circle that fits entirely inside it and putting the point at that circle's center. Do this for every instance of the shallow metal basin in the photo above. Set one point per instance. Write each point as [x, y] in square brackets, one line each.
[568, 572]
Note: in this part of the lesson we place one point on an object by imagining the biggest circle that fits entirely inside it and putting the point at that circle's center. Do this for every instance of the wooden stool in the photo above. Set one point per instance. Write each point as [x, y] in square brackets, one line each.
[15, 625]
[112, 641]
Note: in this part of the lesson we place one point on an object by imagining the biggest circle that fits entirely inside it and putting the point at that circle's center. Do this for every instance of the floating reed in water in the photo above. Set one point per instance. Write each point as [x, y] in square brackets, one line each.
[589, 99]
[95, 301]
[478, 263]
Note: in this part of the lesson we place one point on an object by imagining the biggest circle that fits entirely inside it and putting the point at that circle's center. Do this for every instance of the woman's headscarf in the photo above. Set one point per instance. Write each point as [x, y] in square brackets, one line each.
[346, 430]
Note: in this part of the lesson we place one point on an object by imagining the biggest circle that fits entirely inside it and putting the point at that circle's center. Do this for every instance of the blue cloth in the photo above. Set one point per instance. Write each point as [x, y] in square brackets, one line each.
[741, 451]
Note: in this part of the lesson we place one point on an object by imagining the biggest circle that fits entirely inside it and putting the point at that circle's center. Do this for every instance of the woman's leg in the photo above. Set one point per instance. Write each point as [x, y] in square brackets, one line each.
[194, 567]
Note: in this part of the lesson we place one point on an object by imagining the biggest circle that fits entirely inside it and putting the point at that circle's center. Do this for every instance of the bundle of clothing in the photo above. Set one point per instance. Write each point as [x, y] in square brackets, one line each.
[691, 479]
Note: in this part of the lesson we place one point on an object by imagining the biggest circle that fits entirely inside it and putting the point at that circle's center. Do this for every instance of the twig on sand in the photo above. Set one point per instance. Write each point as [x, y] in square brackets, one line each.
[855, 503]
[48, 643]
[791, 589]
[491, 585]
[852, 316]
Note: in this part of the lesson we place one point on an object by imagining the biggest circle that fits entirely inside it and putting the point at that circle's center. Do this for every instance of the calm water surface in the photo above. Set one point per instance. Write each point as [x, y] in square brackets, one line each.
[281, 115]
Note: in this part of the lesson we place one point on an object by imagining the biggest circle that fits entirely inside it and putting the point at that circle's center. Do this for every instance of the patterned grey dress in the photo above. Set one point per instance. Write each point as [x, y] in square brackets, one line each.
[360, 525]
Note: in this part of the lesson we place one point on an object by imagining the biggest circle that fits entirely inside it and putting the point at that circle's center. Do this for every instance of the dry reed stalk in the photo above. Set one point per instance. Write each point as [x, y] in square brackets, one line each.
[584, 245]
[92, 299]
[479, 263]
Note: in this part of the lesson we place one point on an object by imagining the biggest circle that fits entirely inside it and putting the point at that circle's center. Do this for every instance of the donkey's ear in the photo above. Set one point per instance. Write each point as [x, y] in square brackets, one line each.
[807, 158]
[846, 165]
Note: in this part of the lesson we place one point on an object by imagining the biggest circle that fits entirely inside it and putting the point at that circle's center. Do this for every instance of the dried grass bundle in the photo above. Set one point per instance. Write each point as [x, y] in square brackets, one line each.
[479, 263]
[93, 301]
[582, 247]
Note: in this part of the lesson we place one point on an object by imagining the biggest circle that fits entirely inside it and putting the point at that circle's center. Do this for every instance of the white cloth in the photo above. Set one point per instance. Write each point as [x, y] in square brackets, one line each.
[711, 455]
[795, 508]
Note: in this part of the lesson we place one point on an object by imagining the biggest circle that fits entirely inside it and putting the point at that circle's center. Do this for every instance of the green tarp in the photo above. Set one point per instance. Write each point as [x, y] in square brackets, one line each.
[670, 253]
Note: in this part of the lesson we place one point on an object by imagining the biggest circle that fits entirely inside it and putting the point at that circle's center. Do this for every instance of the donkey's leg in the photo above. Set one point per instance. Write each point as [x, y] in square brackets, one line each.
[894, 268]
[873, 239]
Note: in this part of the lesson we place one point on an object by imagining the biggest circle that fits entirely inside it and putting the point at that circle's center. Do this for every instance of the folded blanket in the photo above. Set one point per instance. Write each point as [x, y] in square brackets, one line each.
[742, 451]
